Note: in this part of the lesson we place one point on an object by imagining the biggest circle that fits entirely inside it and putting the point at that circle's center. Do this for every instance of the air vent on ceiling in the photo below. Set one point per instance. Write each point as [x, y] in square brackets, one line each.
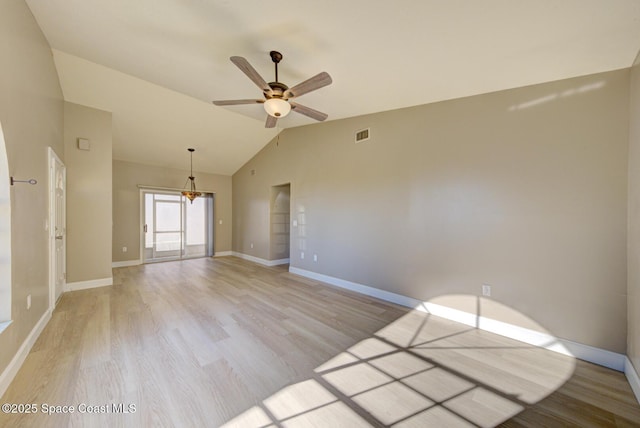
[363, 135]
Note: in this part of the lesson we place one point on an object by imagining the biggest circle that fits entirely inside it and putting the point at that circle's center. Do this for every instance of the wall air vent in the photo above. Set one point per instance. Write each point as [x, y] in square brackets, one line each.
[363, 135]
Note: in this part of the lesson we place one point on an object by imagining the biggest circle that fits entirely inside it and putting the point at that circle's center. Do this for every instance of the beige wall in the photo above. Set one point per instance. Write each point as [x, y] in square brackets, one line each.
[523, 189]
[126, 202]
[89, 194]
[31, 113]
[633, 242]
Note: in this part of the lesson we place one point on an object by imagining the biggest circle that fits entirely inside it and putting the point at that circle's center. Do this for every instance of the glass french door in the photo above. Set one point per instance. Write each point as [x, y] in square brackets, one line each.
[175, 228]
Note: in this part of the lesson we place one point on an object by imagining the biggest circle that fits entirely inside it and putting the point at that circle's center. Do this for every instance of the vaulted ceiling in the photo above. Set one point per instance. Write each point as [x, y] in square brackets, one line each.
[157, 64]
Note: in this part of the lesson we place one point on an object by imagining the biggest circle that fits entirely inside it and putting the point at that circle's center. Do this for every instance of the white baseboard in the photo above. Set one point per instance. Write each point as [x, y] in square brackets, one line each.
[10, 372]
[258, 260]
[632, 377]
[223, 253]
[126, 263]
[599, 356]
[544, 340]
[83, 285]
[540, 339]
[358, 288]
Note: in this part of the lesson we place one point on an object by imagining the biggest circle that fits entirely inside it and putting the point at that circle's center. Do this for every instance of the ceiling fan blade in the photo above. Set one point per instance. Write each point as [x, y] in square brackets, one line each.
[236, 102]
[251, 73]
[271, 121]
[307, 111]
[316, 82]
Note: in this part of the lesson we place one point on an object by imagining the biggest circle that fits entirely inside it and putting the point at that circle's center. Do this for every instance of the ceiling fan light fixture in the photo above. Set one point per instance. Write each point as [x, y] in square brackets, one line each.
[277, 107]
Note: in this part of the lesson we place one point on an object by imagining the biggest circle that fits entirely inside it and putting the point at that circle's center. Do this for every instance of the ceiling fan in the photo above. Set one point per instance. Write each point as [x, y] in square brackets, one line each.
[277, 96]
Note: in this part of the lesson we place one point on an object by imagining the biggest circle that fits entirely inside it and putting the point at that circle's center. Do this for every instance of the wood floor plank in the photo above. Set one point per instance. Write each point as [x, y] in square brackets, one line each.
[226, 342]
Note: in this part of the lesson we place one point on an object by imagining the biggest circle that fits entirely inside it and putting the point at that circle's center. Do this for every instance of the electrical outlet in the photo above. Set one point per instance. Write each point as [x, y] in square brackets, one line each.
[219, 221]
[29, 301]
[124, 249]
[315, 257]
[252, 245]
[486, 290]
[302, 254]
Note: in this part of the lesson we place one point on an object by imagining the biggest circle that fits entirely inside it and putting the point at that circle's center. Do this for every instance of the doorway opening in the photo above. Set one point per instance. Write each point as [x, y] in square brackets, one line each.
[174, 228]
[280, 214]
[5, 237]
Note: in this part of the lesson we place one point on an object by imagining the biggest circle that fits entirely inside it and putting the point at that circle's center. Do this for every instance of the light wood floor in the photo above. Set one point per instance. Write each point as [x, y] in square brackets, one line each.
[225, 342]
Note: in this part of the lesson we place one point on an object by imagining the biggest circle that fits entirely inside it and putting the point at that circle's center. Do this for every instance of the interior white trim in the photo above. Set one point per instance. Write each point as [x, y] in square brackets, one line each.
[584, 352]
[589, 353]
[259, 260]
[54, 159]
[171, 189]
[222, 253]
[126, 263]
[612, 360]
[5, 235]
[12, 368]
[359, 288]
[93, 283]
[632, 377]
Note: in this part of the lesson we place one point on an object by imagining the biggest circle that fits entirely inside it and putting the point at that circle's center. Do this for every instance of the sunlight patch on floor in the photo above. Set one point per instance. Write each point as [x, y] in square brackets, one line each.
[421, 370]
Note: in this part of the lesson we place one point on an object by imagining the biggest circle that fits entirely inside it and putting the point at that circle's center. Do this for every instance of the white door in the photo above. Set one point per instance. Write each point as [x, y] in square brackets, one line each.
[57, 233]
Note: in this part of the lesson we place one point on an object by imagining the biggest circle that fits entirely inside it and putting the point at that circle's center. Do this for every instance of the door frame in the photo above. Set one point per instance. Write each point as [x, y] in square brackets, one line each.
[209, 221]
[53, 159]
[5, 236]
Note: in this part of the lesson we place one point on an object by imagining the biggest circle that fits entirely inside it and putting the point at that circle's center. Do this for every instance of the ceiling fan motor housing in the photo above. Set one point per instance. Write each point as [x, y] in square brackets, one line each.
[277, 90]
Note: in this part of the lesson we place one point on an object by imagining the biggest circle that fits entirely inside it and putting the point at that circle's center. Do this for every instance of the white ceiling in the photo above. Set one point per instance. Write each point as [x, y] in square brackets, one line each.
[157, 64]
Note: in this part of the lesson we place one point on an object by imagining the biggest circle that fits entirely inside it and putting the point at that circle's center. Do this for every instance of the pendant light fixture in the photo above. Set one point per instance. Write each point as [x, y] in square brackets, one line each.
[191, 194]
